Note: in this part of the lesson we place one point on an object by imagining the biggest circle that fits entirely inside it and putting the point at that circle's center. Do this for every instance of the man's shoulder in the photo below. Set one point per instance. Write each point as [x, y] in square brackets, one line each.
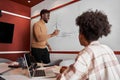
[38, 23]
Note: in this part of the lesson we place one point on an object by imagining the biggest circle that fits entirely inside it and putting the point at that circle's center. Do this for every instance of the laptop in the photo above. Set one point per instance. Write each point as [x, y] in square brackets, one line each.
[34, 71]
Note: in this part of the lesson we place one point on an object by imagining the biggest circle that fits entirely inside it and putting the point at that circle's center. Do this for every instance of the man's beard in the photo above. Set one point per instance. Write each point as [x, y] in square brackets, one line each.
[46, 21]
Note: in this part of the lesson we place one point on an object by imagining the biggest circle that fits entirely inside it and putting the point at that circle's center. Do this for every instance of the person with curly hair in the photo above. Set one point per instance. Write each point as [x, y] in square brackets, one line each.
[96, 61]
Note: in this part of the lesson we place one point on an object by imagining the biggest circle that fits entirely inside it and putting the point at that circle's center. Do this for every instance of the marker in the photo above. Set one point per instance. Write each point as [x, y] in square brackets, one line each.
[56, 26]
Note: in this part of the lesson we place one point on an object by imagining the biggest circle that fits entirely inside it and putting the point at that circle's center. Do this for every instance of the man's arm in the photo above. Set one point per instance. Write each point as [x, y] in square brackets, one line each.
[49, 47]
[55, 33]
[40, 36]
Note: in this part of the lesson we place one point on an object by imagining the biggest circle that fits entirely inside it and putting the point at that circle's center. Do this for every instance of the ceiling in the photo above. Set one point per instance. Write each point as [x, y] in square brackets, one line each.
[26, 3]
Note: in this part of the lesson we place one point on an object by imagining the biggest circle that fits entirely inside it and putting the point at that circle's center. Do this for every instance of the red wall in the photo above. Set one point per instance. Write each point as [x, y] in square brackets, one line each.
[21, 36]
[14, 7]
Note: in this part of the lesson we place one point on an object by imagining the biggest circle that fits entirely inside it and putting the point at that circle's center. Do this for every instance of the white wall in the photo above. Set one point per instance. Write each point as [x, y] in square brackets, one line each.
[46, 4]
[58, 56]
[65, 18]
[112, 9]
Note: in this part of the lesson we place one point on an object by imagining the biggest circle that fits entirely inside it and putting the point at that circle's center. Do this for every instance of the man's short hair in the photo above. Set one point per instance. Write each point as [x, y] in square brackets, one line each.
[43, 11]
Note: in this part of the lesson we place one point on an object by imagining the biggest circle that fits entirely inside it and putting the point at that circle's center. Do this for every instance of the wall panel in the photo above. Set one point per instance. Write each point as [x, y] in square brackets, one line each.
[15, 13]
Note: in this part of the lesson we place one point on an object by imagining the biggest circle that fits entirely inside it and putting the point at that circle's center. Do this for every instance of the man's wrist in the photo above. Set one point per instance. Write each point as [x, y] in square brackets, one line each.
[51, 35]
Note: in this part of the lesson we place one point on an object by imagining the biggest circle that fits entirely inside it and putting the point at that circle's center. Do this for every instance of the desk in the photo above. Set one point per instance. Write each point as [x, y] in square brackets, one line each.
[20, 74]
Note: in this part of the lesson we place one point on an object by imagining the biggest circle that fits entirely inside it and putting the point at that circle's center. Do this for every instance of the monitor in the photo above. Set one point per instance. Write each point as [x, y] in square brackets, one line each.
[6, 32]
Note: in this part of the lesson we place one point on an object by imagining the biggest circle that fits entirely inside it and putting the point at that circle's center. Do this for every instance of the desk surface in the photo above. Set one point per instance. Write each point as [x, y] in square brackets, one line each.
[20, 74]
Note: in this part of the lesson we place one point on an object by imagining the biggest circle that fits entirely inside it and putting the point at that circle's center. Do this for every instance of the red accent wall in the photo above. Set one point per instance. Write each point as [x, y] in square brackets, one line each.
[14, 7]
[21, 36]
[12, 57]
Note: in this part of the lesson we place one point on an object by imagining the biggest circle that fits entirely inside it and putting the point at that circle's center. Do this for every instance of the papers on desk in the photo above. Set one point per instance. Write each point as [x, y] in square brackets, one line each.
[12, 75]
[38, 78]
[22, 77]
[55, 69]
[15, 77]
[4, 67]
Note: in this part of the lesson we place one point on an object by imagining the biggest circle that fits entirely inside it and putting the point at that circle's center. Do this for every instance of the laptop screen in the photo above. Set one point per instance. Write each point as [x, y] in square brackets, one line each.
[27, 57]
[32, 68]
[29, 64]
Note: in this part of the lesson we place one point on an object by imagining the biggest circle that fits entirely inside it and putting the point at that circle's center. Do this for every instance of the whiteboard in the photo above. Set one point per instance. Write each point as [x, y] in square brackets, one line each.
[64, 19]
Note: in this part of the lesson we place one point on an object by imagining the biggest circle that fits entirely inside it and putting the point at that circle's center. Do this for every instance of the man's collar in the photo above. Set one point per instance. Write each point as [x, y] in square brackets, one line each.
[41, 20]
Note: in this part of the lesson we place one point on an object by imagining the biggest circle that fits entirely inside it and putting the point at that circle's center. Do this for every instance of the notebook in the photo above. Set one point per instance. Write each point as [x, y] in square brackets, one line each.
[4, 68]
[33, 71]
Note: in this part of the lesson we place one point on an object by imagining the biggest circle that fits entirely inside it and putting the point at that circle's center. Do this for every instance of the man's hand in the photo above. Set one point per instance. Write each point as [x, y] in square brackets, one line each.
[49, 47]
[55, 33]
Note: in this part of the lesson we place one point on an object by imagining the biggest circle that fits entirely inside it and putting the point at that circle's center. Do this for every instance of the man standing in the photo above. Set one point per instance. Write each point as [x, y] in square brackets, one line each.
[40, 37]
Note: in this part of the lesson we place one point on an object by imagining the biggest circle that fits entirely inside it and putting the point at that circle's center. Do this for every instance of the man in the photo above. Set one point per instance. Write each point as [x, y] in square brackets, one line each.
[40, 37]
[96, 61]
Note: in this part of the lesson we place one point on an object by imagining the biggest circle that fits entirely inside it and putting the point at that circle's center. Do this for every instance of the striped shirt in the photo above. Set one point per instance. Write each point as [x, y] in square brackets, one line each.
[94, 62]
